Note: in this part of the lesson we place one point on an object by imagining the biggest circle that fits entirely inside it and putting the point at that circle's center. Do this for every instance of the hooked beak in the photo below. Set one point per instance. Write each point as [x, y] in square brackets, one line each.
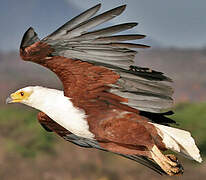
[9, 100]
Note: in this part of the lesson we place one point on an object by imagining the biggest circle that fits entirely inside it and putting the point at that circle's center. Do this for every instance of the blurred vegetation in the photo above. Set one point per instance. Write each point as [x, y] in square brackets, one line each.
[20, 128]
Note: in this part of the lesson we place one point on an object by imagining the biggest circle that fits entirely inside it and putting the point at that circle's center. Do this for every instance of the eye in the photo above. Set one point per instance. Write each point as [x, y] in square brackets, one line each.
[22, 93]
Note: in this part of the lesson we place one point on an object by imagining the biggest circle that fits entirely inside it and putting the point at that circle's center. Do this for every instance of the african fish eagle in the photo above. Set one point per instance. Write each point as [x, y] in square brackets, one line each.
[108, 103]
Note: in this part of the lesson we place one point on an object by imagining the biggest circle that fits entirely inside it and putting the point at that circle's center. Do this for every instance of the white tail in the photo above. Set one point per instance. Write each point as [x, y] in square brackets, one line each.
[179, 140]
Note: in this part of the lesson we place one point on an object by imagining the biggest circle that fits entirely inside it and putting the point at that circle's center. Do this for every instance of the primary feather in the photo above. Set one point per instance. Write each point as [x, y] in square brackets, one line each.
[101, 47]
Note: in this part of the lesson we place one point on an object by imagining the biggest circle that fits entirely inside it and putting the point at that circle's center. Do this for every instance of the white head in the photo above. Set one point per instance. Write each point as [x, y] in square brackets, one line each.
[57, 106]
[33, 96]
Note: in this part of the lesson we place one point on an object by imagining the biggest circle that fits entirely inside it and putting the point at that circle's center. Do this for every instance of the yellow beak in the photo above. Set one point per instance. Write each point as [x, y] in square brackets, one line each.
[14, 98]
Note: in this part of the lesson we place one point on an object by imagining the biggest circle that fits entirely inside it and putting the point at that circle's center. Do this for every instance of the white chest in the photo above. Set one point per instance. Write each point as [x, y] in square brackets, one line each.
[60, 109]
[74, 121]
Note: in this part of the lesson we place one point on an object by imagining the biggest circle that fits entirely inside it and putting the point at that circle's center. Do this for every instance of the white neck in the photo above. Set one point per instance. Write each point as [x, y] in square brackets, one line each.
[60, 109]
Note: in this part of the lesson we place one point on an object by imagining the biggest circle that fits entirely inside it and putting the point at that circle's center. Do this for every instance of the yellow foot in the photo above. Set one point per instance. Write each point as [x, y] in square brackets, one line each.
[168, 163]
[178, 168]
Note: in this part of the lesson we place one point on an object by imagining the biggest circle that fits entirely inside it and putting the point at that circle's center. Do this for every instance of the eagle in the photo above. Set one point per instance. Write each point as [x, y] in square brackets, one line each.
[107, 102]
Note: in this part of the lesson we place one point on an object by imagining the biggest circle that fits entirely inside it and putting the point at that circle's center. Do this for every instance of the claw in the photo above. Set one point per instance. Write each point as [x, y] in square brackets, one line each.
[172, 157]
[169, 163]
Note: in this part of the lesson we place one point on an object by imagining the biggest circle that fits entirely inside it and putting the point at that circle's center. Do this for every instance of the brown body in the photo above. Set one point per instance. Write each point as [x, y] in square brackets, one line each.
[116, 126]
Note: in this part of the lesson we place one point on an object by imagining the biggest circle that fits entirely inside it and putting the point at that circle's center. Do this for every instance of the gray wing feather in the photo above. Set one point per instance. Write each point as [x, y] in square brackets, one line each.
[93, 22]
[110, 39]
[74, 41]
[73, 23]
[145, 89]
[104, 32]
[131, 85]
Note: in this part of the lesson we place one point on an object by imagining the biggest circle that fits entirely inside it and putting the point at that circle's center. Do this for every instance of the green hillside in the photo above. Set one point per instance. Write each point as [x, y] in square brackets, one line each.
[23, 133]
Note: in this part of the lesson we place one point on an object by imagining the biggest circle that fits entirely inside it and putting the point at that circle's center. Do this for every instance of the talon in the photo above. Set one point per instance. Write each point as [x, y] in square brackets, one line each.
[172, 157]
[177, 169]
[169, 163]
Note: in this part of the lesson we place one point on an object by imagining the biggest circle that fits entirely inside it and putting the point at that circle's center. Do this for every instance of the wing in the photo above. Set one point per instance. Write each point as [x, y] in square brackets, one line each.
[99, 64]
[51, 126]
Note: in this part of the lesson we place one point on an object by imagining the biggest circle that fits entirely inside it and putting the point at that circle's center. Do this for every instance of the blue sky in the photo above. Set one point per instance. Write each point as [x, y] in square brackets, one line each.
[176, 23]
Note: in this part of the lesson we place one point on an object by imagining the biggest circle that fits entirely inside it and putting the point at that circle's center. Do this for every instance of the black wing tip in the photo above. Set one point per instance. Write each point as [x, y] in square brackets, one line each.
[144, 46]
[168, 113]
[149, 73]
[30, 28]
[29, 37]
[132, 24]
[142, 36]
[120, 8]
[98, 6]
[168, 79]
[159, 117]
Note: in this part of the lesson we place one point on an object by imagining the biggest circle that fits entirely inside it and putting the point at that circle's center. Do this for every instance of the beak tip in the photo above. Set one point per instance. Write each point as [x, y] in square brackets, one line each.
[8, 100]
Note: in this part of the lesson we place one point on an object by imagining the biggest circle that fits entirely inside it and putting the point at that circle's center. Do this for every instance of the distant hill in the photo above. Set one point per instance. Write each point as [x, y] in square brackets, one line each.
[185, 67]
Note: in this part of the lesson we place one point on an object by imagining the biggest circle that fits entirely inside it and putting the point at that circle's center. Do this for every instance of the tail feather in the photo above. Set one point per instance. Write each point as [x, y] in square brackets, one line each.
[180, 141]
